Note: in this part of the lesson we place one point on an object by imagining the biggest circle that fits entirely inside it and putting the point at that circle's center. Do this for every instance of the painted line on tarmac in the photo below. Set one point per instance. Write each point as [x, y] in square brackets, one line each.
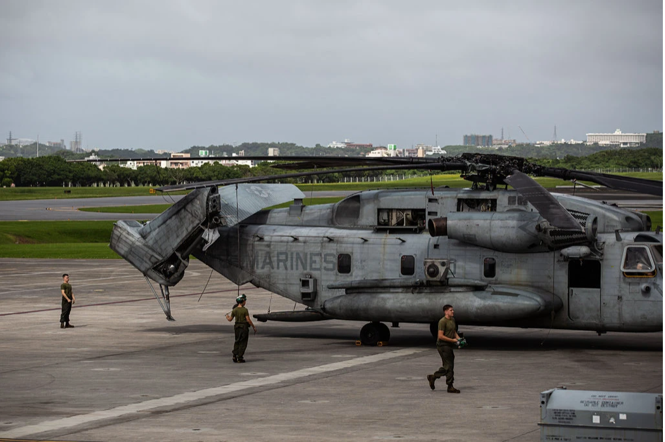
[192, 396]
[125, 301]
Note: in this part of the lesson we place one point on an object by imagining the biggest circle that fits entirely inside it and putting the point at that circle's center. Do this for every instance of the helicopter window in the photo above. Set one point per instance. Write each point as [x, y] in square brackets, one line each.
[408, 266]
[476, 205]
[348, 211]
[489, 267]
[637, 262]
[516, 200]
[344, 263]
[401, 217]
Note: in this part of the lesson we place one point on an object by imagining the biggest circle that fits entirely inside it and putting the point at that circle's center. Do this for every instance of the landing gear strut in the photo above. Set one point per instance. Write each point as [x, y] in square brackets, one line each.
[164, 301]
[373, 333]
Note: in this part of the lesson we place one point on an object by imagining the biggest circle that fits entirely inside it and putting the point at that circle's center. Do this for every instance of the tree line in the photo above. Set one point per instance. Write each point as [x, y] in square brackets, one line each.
[54, 170]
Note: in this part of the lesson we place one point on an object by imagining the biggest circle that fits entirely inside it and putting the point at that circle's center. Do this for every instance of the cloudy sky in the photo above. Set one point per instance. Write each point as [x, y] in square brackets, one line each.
[172, 74]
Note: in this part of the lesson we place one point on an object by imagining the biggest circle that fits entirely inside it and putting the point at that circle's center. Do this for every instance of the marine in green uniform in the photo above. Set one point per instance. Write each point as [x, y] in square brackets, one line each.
[447, 340]
[241, 328]
[67, 301]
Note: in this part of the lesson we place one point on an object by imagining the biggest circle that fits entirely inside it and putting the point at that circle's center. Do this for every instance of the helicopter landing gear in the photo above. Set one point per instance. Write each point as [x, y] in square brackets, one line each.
[373, 333]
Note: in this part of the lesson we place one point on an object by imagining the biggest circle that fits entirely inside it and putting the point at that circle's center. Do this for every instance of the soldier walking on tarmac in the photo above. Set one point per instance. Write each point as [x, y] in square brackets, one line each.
[67, 301]
[447, 340]
[241, 328]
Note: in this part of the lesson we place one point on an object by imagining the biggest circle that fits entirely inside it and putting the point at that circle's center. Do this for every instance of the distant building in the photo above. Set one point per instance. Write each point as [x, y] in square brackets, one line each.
[61, 144]
[336, 145]
[135, 164]
[503, 143]
[562, 141]
[199, 162]
[617, 138]
[431, 150]
[273, 151]
[96, 163]
[478, 140]
[77, 144]
[379, 152]
[179, 161]
[436, 150]
[411, 153]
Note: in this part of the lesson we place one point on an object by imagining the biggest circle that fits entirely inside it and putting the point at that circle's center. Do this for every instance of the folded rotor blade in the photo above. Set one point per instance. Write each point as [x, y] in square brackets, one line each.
[427, 166]
[639, 185]
[548, 207]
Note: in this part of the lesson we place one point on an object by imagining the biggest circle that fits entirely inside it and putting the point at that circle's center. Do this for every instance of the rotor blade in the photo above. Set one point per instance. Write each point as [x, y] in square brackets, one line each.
[314, 162]
[548, 207]
[296, 162]
[430, 166]
[639, 185]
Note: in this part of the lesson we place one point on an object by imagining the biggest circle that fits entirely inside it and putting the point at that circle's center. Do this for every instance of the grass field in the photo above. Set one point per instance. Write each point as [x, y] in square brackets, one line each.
[56, 239]
[656, 219]
[451, 180]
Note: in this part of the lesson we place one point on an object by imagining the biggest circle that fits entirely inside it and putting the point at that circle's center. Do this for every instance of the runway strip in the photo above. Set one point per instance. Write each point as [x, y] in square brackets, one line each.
[184, 398]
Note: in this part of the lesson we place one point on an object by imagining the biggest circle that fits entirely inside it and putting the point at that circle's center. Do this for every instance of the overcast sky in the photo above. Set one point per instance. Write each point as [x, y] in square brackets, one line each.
[172, 74]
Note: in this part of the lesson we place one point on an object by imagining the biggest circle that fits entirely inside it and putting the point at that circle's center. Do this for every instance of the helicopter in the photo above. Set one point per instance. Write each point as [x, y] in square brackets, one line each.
[520, 257]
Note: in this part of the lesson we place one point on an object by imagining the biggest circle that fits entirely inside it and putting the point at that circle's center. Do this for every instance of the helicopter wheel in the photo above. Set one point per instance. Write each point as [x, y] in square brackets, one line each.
[434, 330]
[370, 334]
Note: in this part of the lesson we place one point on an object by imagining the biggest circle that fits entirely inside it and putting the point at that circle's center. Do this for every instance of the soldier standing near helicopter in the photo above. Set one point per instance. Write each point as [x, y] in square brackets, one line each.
[241, 328]
[447, 340]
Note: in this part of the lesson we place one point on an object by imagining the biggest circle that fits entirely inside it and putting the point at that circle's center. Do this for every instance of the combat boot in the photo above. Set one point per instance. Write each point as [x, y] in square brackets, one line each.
[431, 379]
[452, 389]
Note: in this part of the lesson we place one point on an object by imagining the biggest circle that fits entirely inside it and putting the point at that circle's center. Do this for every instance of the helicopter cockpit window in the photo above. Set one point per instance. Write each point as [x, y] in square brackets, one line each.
[347, 211]
[637, 262]
[489, 267]
[344, 263]
[408, 265]
[476, 205]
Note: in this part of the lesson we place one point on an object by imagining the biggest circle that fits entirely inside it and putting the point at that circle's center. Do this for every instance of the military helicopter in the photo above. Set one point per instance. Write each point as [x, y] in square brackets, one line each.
[520, 257]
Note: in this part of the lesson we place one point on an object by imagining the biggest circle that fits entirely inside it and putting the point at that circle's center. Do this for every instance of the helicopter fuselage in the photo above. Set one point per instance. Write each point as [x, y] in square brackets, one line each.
[370, 258]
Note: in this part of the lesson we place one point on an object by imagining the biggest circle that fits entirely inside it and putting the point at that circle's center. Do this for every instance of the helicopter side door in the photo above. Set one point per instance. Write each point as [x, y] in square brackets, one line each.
[584, 304]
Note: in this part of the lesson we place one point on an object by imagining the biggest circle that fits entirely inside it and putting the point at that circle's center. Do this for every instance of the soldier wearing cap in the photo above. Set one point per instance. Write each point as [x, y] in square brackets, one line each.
[241, 327]
[447, 340]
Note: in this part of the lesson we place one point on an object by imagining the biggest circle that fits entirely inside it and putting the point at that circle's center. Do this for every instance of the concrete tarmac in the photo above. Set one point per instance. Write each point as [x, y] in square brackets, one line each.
[67, 209]
[126, 374]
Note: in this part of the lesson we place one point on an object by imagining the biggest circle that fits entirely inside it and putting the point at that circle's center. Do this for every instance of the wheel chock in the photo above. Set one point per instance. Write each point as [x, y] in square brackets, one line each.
[382, 343]
[358, 343]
